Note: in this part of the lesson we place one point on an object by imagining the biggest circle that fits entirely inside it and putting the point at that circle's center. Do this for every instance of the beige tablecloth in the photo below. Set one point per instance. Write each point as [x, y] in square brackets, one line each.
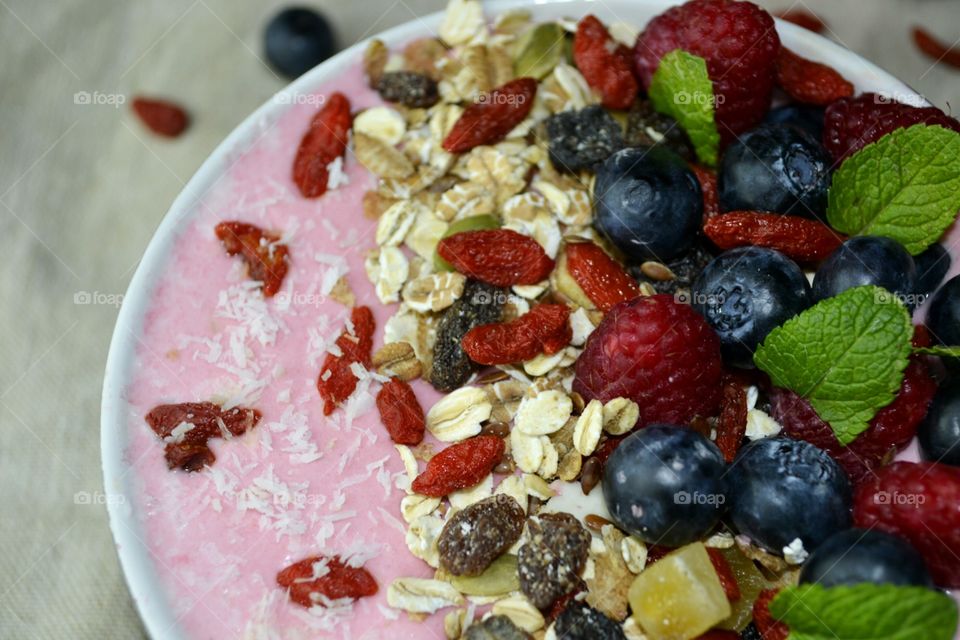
[82, 188]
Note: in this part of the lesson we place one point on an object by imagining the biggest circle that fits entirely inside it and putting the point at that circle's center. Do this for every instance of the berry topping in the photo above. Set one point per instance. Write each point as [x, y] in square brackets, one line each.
[943, 314]
[932, 267]
[867, 260]
[665, 484]
[800, 239]
[187, 427]
[768, 627]
[163, 117]
[803, 116]
[808, 81]
[479, 534]
[324, 142]
[605, 64]
[582, 139]
[582, 622]
[265, 256]
[599, 276]
[298, 39]
[492, 116]
[337, 380]
[939, 433]
[501, 257]
[553, 557]
[855, 556]
[936, 49]
[459, 466]
[318, 580]
[400, 412]
[732, 423]
[543, 329]
[480, 304]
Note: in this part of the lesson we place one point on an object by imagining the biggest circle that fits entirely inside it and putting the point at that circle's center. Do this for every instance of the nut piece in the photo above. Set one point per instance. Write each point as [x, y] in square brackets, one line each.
[397, 360]
[457, 416]
[521, 613]
[544, 413]
[422, 595]
[473, 538]
[620, 415]
[435, 292]
[586, 433]
[550, 563]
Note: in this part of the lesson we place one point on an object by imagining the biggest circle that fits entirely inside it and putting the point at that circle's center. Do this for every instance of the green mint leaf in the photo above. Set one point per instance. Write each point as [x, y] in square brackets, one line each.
[939, 350]
[866, 612]
[681, 88]
[845, 355]
[904, 186]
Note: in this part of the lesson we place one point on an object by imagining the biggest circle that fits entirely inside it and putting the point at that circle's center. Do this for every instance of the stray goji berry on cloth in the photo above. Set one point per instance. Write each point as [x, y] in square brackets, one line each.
[337, 380]
[186, 428]
[800, 239]
[935, 48]
[459, 466]
[265, 256]
[324, 142]
[400, 412]
[319, 579]
[501, 257]
[161, 116]
[543, 329]
[732, 425]
[601, 277]
[606, 65]
[808, 81]
[492, 116]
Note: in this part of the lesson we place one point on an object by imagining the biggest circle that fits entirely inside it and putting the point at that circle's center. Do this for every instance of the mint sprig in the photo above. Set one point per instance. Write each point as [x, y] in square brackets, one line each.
[904, 186]
[865, 612]
[845, 355]
[681, 88]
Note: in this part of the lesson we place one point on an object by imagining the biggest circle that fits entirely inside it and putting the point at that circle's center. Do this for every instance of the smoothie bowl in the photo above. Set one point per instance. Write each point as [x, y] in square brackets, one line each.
[574, 321]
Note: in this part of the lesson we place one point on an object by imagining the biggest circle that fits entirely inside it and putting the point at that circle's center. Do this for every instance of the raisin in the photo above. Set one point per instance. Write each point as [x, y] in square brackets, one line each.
[161, 116]
[318, 579]
[188, 450]
[459, 466]
[410, 89]
[496, 628]
[501, 257]
[732, 425]
[582, 622]
[400, 412]
[582, 139]
[605, 64]
[266, 258]
[543, 329]
[337, 380]
[550, 562]
[492, 116]
[324, 141]
[647, 128]
[480, 304]
[479, 534]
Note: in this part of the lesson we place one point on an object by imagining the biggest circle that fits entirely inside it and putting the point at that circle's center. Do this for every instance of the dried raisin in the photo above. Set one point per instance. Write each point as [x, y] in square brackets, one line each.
[582, 622]
[582, 139]
[550, 562]
[479, 534]
[410, 89]
[480, 304]
[400, 412]
[496, 628]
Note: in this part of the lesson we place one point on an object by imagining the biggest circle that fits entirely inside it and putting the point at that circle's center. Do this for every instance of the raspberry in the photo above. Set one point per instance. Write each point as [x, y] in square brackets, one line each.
[918, 502]
[657, 352]
[739, 43]
[890, 430]
[769, 627]
[850, 124]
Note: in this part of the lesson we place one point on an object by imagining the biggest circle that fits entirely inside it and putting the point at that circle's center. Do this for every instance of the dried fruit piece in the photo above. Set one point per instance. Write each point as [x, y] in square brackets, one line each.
[479, 305]
[727, 580]
[582, 139]
[604, 63]
[803, 18]
[769, 627]
[601, 277]
[935, 48]
[808, 81]
[708, 185]
[161, 116]
[400, 412]
[459, 466]
[324, 142]
[544, 329]
[265, 256]
[552, 559]
[801, 239]
[476, 536]
[337, 381]
[410, 89]
[186, 428]
[319, 579]
[732, 424]
[500, 257]
[492, 116]
[470, 223]
[496, 628]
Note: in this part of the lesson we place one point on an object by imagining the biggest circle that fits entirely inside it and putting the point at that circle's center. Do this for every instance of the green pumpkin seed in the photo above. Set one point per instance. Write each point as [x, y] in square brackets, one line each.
[539, 50]
[472, 223]
[498, 579]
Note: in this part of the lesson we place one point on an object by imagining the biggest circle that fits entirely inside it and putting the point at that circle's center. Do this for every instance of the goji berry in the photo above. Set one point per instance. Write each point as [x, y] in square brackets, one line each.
[501, 257]
[769, 627]
[459, 466]
[318, 579]
[727, 579]
[708, 186]
[400, 412]
[324, 142]
[265, 256]
[657, 552]
[188, 449]
[808, 81]
[732, 424]
[543, 329]
[935, 48]
[803, 18]
[606, 65]
[921, 336]
[337, 380]
[492, 116]
[801, 239]
[161, 116]
[601, 277]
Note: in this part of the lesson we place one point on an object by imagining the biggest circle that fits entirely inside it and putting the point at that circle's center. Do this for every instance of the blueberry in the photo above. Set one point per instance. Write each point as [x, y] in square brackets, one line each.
[866, 260]
[932, 266]
[939, 433]
[943, 315]
[777, 168]
[744, 294]
[783, 489]
[855, 556]
[298, 39]
[665, 484]
[648, 203]
[582, 139]
[803, 116]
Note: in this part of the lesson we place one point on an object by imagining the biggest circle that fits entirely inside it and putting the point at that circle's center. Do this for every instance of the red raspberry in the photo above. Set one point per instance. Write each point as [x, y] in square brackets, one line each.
[740, 44]
[918, 502]
[852, 123]
[890, 430]
[769, 627]
[658, 352]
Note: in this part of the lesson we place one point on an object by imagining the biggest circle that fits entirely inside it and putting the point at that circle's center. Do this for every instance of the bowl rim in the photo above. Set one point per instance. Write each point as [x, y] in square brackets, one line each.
[137, 564]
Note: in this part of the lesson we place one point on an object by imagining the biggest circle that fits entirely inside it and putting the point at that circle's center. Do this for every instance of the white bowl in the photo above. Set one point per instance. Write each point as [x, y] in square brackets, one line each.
[138, 565]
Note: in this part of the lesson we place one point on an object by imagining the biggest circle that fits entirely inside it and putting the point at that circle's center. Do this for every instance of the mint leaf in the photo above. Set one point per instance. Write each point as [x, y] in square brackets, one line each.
[904, 186]
[845, 355]
[865, 612]
[681, 88]
[940, 350]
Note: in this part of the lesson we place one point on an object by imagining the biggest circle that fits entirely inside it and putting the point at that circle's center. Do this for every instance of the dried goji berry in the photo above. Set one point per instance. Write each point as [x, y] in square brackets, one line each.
[543, 329]
[921, 336]
[606, 65]
[265, 256]
[935, 48]
[337, 380]
[801, 239]
[803, 18]
[501, 257]
[459, 466]
[324, 142]
[732, 424]
[601, 277]
[187, 447]
[708, 186]
[492, 116]
[161, 116]
[727, 580]
[400, 412]
[769, 627]
[319, 579]
[657, 552]
[808, 81]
